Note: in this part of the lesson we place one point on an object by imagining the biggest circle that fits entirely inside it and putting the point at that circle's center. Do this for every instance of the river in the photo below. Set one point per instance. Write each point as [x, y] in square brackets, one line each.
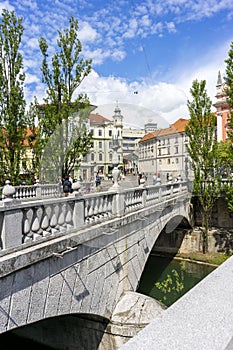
[167, 279]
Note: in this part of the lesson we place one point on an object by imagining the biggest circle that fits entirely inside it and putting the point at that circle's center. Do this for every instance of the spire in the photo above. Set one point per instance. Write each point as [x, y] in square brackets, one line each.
[219, 81]
[117, 110]
[118, 117]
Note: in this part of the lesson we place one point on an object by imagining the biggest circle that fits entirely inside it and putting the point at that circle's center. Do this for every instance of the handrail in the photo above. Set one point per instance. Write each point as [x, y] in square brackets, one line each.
[24, 221]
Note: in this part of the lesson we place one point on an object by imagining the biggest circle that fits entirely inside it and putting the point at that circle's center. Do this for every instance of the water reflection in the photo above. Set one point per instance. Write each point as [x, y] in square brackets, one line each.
[158, 268]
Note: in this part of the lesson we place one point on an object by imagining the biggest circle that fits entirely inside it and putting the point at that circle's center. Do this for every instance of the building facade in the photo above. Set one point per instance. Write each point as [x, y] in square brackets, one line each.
[131, 138]
[164, 153]
[222, 109]
[101, 155]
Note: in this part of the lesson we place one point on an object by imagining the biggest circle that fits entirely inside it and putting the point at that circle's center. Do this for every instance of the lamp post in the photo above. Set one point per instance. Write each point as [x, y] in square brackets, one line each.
[115, 172]
[186, 168]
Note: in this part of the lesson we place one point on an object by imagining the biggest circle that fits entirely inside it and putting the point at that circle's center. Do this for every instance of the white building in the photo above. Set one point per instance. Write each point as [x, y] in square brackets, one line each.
[100, 157]
[163, 152]
[131, 138]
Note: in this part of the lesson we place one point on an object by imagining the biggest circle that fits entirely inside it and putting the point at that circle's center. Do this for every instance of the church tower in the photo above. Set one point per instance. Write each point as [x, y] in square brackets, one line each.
[118, 117]
[222, 109]
[118, 132]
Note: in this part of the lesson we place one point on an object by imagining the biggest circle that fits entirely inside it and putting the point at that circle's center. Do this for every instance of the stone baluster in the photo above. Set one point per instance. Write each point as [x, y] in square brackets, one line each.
[105, 206]
[109, 205]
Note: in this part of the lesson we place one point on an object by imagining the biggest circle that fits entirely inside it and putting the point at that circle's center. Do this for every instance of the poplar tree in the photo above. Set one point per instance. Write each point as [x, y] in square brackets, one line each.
[12, 103]
[229, 92]
[60, 131]
[202, 149]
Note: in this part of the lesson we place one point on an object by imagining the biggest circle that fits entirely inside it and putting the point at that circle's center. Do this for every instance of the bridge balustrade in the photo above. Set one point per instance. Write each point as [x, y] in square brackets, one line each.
[37, 191]
[29, 222]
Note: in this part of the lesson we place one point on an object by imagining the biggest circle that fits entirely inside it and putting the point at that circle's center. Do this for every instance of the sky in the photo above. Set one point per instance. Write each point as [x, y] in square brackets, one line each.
[145, 53]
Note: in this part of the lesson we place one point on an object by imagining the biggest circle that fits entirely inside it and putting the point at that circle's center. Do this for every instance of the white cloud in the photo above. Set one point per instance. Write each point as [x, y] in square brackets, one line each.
[160, 99]
[6, 5]
[31, 78]
[87, 33]
[166, 100]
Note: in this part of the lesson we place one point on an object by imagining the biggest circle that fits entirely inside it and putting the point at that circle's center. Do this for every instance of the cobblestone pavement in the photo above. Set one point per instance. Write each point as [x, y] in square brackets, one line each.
[128, 182]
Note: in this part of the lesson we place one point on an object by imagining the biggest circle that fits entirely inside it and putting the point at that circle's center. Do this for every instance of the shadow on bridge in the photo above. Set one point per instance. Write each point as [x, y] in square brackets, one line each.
[83, 331]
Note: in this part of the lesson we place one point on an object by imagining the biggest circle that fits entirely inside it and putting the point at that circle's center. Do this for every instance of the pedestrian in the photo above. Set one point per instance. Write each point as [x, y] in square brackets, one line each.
[67, 186]
[97, 180]
[139, 178]
[154, 179]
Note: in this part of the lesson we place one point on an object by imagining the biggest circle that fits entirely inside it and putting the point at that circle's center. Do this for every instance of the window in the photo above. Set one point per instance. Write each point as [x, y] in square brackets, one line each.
[100, 144]
[110, 133]
[100, 132]
[176, 149]
[100, 157]
[92, 157]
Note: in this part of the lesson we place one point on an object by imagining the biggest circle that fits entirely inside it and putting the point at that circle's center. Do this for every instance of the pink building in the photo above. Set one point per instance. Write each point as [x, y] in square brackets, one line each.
[222, 109]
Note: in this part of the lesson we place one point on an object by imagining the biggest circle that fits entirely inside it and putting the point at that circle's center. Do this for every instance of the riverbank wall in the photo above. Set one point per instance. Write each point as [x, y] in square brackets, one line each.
[189, 240]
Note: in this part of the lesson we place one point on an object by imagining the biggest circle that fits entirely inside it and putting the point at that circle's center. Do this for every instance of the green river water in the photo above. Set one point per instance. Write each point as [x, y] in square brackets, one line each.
[158, 269]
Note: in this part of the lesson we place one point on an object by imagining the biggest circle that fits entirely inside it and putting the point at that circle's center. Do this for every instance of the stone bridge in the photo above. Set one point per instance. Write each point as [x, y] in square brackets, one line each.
[66, 262]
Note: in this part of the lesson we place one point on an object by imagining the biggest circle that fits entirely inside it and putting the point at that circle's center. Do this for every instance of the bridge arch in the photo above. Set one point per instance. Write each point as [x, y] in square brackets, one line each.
[82, 331]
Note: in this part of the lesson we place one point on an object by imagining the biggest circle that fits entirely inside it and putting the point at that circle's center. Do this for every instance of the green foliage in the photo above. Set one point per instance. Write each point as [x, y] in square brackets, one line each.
[225, 157]
[63, 74]
[203, 151]
[12, 103]
[229, 89]
[229, 151]
[229, 197]
[173, 283]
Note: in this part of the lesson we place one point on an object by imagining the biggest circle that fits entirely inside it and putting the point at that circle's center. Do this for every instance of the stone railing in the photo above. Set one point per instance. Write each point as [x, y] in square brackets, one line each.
[37, 191]
[26, 222]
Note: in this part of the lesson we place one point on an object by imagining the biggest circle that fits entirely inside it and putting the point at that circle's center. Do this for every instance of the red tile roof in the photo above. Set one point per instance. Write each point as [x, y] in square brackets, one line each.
[98, 119]
[178, 126]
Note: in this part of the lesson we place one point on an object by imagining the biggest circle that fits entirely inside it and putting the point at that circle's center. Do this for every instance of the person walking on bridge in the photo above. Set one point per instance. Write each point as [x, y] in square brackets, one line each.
[67, 186]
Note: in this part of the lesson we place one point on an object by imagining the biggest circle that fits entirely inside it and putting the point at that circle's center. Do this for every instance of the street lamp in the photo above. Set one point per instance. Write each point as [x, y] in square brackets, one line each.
[186, 167]
[115, 172]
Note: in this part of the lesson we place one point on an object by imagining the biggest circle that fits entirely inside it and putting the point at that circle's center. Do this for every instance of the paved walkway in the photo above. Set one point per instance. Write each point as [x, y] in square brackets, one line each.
[128, 182]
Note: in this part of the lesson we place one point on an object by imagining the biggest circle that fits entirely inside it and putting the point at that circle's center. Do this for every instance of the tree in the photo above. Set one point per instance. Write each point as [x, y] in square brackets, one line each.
[229, 90]
[13, 121]
[229, 151]
[225, 152]
[59, 114]
[202, 149]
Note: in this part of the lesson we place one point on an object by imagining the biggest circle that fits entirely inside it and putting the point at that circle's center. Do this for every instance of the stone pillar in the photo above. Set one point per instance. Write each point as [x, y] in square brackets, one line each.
[79, 213]
[118, 207]
[11, 219]
[144, 193]
[38, 189]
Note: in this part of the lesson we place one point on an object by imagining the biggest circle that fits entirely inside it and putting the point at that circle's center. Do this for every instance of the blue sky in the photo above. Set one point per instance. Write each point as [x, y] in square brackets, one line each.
[156, 48]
